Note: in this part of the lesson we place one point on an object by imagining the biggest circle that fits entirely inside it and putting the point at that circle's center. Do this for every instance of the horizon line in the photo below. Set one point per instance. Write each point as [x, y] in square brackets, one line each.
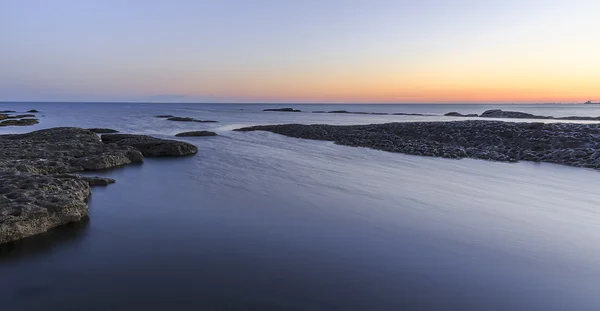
[298, 103]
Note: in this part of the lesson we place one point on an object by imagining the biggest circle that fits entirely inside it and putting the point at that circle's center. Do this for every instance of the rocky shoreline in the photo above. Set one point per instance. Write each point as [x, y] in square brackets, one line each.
[561, 143]
[38, 190]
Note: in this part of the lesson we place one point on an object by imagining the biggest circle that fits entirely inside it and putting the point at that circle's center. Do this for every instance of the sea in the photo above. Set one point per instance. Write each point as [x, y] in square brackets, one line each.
[260, 221]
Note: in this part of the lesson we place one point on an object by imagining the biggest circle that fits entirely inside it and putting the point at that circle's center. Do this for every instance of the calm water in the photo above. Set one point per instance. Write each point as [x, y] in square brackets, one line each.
[258, 221]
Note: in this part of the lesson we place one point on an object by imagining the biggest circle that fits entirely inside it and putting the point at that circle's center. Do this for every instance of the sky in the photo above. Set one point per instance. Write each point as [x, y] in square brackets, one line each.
[346, 51]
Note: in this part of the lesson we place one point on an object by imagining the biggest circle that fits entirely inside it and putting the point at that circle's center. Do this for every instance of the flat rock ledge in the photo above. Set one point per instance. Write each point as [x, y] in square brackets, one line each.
[499, 113]
[372, 113]
[38, 187]
[37, 191]
[196, 133]
[151, 146]
[187, 119]
[283, 109]
[102, 130]
[19, 122]
[561, 143]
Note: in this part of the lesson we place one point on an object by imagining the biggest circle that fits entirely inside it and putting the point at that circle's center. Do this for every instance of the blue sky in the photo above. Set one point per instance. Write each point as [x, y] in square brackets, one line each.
[299, 51]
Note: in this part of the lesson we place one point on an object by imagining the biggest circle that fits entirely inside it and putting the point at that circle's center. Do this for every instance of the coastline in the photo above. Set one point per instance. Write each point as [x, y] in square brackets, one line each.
[559, 143]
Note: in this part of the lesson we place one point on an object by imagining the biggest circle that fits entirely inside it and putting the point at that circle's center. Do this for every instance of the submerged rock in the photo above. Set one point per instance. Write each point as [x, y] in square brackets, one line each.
[187, 119]
[560, 143]
[151, 146]
[19, 122]
[102, 130]
[283, 109]
[32, 111]
[20, 116]
[196, 133]
[7, 111]
[164, 116]
[91, 180]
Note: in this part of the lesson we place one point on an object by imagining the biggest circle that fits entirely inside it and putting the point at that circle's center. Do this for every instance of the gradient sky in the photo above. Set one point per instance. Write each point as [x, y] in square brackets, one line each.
[300, 50]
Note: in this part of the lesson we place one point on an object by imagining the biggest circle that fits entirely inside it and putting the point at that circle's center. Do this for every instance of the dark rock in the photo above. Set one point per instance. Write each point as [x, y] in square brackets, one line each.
[498, 113]
[196, 133]
[456, 114]
[3, 116]
[36, 190]
[181, 119]
[283, 109]
[32, 203]
[7, 111]
[91, 180]
[187, 119]
[151, 146]
[102, 130]
[164, 116]
[408, 114]
[19, 122]
[560, 143]
[20, 116]
[32, 111]
[338, 111]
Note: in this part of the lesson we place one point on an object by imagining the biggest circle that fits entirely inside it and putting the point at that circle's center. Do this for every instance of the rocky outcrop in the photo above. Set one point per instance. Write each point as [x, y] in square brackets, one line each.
[20, 116]
[165, 116]
[187, 119]
[371, 113]
[19, 122]
[33, 203]
[102, 130]
[456, 114]
[91, 180]
[7, 111]
[499, 113]
[283, 109]
[561, 143]
[32, 111]
[196, 133]
[3, 116]
[151, 146]
[37, 191]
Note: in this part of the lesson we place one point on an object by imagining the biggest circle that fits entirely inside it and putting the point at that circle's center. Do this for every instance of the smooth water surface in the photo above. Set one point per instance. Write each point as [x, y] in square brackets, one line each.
[259, 221]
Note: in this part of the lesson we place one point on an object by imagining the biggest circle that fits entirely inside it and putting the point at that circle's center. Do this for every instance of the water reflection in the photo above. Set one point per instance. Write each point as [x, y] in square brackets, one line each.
[42, 244]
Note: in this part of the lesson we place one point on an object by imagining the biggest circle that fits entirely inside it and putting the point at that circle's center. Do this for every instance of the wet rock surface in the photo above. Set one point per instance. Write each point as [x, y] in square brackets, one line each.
[20, 116]
[283, 109]
[196, 133]
[19, 122]
[36, 190]
[456, 114]
[371, 113]
[187, 119]
[499, 113]
[151, 146]
[560, 143]
[32, 111]
[165, 116]
[102, 130]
